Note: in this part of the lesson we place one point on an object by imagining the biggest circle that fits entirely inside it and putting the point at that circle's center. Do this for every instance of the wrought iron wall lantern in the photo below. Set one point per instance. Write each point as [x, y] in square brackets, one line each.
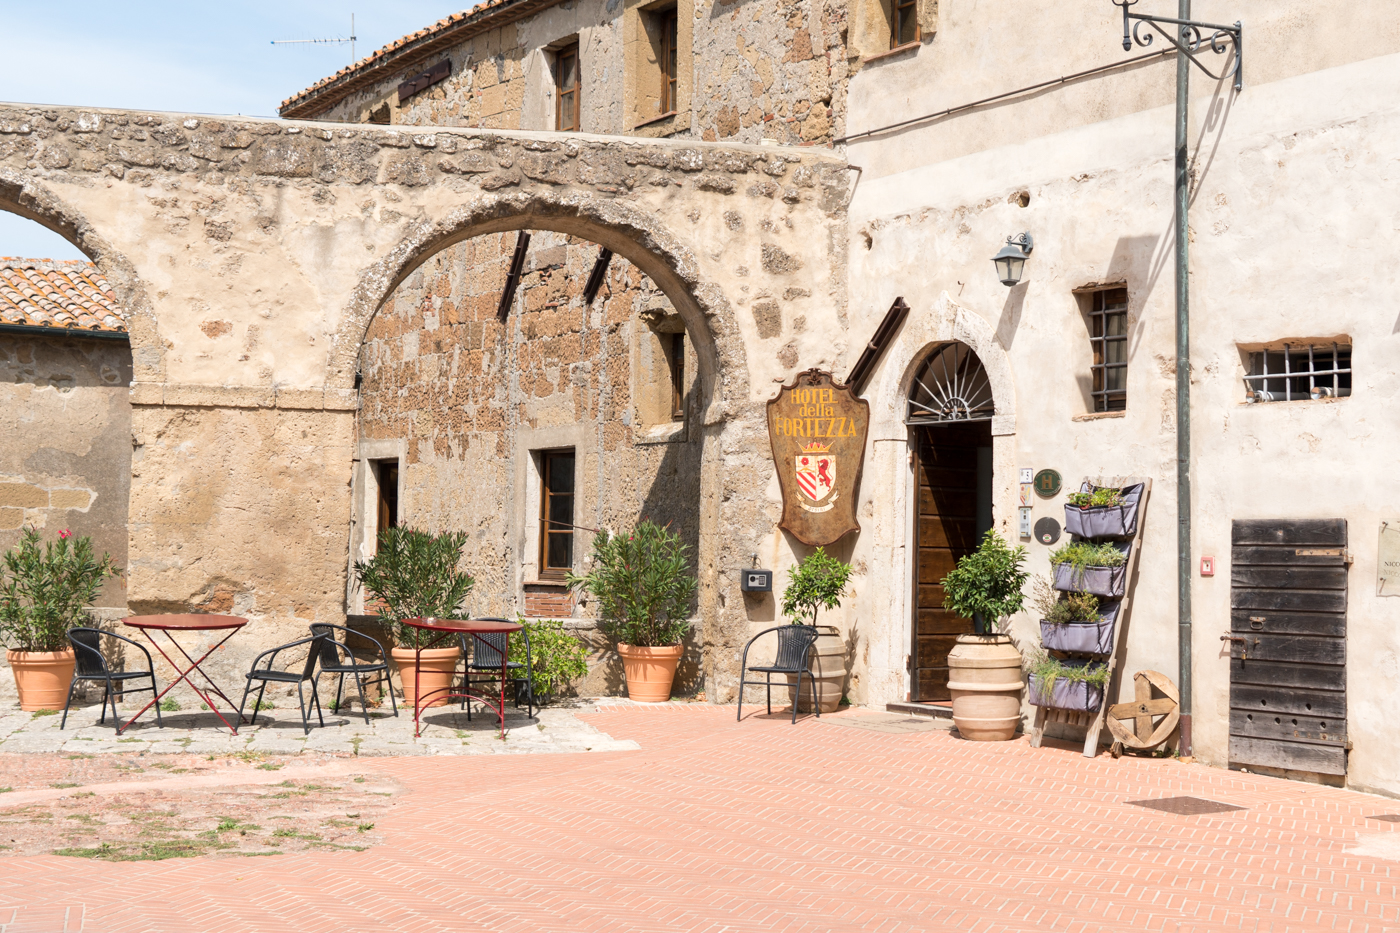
[1189, 40]
[1012, 259]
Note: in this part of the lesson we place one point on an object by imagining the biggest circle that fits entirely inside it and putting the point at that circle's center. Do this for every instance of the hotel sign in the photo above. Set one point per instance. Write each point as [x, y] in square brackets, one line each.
[817, 430]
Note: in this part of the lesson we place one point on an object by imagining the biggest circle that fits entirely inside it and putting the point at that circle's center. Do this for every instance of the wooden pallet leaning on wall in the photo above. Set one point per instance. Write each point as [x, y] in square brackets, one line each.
[1093, 723]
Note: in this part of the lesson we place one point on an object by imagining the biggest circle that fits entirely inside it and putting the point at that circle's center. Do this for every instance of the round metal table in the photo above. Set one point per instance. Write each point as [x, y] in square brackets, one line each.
[187, 622]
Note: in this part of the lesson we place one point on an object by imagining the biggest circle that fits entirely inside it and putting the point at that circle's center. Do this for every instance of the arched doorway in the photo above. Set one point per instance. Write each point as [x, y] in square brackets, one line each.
[949, 414]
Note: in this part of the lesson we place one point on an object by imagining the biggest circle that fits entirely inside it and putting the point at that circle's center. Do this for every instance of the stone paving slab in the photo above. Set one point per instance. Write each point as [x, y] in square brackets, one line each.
[278, 731]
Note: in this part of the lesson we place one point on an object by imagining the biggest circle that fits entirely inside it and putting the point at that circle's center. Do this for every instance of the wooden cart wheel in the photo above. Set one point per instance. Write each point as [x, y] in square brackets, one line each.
[1131, 723]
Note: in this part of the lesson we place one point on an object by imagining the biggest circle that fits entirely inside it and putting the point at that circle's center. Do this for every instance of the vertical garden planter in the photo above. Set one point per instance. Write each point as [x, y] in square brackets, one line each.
[1105, 521]
[1109, 582]
[1082, 637]
[1066, 694]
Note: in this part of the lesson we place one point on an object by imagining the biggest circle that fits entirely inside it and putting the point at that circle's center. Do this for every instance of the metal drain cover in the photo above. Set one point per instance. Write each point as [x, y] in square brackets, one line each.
[1186, 806]
[1388, 817]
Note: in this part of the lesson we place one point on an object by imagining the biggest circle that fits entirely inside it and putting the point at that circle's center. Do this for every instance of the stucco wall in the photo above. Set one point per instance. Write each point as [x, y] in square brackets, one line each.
[65, 462]
[1291, 201]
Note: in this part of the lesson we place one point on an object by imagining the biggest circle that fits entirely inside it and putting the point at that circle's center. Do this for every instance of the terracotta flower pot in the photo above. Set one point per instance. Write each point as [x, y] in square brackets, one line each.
[650, 671]
[435, 672]
[829, 666]
[984, 677]
[43, 677]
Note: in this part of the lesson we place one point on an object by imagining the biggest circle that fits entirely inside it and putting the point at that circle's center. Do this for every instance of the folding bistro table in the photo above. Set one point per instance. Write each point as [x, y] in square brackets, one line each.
[445, 630]
[172, 624]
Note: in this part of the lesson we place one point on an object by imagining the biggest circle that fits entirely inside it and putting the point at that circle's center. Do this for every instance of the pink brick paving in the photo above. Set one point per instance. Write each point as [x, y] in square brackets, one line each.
[717, 826]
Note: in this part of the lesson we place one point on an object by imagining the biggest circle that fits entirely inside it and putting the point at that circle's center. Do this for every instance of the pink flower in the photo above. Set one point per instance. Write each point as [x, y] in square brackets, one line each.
[65, 534]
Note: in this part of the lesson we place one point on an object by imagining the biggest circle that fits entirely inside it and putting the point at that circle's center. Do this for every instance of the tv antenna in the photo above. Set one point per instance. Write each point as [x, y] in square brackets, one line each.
[342, 41]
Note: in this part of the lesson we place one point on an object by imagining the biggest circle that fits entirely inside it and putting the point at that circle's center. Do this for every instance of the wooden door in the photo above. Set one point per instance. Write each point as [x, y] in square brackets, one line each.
[1288, 602]
[951, 489]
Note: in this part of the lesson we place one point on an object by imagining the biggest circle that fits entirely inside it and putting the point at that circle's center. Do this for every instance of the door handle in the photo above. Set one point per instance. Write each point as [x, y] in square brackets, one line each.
[1244, 642]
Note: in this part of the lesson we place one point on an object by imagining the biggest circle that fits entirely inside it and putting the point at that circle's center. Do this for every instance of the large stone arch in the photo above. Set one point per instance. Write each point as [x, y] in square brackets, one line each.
[634, 235]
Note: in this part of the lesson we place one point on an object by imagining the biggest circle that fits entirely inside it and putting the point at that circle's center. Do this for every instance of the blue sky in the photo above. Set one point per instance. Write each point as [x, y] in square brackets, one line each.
[185, 57]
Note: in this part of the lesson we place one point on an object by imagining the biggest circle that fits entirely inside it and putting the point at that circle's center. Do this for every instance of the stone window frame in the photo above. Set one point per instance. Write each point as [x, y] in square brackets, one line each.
[529, 442]
[660, 408]
[872, 29]
[547, 495]
[644, 73]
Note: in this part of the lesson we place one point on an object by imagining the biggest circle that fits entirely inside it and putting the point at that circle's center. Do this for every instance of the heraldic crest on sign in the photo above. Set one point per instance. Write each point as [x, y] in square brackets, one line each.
[817, 429]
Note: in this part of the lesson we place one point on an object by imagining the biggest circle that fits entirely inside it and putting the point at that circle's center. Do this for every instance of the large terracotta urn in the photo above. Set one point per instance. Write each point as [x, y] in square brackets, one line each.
[435, 670]
[650, 671]
[43, 677]
[829, 670]
[984, 677]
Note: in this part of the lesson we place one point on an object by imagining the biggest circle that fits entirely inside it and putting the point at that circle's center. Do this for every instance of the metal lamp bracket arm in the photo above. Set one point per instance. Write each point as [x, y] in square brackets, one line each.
[1190, 41]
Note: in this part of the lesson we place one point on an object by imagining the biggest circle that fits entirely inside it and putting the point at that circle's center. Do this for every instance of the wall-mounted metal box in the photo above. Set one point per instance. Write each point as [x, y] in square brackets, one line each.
[756, 581]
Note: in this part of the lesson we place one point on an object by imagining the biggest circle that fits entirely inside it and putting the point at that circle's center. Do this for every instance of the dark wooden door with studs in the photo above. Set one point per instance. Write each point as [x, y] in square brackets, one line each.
[1287, 640]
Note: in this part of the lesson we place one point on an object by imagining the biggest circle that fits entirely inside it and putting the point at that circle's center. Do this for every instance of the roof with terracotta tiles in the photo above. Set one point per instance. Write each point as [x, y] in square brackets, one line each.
[69, 294]
[412, 49]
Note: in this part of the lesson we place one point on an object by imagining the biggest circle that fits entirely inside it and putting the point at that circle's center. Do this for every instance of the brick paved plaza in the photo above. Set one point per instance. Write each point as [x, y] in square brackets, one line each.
[854, 822]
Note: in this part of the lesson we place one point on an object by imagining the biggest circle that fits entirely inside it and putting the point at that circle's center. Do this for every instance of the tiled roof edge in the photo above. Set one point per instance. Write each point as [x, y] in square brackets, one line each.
[407, 51]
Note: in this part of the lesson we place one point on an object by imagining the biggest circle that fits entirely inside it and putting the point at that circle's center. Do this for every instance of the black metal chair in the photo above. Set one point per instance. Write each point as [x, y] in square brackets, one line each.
[267, 674]
[794, 657]
[91, 665]
[485, 659]
[336, 658]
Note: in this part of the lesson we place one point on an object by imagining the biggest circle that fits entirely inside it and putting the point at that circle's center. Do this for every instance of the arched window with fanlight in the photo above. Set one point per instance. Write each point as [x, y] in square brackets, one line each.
[950, 385]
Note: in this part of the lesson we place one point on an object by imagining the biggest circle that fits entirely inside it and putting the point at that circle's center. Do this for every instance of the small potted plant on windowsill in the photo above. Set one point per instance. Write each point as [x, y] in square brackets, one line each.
[984, 669]
[1075, 624]
[1089, 567]
[818, 583]
[415, 574]
[643, 587]
[43, 593]
[1103, 511]
[1066, 684]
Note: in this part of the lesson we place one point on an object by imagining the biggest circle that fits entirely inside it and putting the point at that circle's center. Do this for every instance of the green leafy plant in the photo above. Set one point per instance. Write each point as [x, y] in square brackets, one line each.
[643, 585]
[1083, 554]
[817, 583]
[557, 654]
[45, 590]
[1048, 669]
[415, 573]
[1098, 497]
[986, 584]
[1073, 607]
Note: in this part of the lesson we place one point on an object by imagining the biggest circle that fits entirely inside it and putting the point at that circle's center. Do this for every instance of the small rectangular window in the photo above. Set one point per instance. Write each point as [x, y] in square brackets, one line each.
[904, 23]
[556, 514]
[677, 361]
[1299, 371]
[1108, 335]
[566, 86]
[386, 476]
[670, 62]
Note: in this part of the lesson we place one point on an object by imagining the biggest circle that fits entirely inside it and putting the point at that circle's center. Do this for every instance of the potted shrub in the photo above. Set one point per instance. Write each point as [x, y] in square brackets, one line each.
[414, 573]
[1076, 623]
[1103, 511]
[643, 585]
[45, 591]
[984, 669]
[1088, 567]
[1067, 684]
[818, 583]
[556, 654]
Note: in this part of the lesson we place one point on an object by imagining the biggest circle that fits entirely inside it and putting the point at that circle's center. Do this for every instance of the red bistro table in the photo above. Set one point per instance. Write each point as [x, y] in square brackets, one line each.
[451, 628]
[170, 624]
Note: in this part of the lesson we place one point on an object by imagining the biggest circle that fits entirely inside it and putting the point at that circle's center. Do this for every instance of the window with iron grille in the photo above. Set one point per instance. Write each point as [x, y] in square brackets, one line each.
[904, 24]
[1108, 335]
[1299, 371]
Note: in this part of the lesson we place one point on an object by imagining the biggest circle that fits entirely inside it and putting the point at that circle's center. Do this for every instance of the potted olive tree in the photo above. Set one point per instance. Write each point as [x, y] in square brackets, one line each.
[984, 669]
[45, 591]
[818, 583]
[415, 573]
[643, 585]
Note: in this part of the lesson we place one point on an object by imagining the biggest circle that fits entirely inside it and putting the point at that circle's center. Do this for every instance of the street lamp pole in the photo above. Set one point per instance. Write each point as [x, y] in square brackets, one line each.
[1188, 41]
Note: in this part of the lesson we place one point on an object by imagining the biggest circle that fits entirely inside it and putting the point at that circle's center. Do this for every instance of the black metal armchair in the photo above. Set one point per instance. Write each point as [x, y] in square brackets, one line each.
[485, 660]
[265, 674]
[794, 657]
[91, 665]
[336, 658]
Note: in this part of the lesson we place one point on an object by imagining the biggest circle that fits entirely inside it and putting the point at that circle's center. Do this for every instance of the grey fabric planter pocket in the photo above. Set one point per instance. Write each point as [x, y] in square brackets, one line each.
[1109, 582]
[1081, 637]
[1107, 521]
[1067, 694]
